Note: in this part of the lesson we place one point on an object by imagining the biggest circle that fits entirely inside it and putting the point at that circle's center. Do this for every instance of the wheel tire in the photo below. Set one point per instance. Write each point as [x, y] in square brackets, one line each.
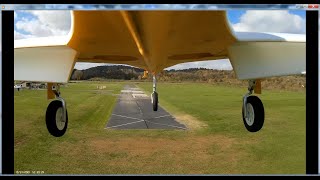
[258, 111]
[51, 119]
[155, 101]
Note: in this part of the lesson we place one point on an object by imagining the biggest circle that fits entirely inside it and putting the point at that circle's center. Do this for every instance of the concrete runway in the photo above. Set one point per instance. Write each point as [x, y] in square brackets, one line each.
[134, 111]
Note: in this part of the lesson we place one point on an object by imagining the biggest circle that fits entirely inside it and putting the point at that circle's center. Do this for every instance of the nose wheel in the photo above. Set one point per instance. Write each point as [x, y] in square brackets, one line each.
[154, 99]
[154, 95]
[252, 110]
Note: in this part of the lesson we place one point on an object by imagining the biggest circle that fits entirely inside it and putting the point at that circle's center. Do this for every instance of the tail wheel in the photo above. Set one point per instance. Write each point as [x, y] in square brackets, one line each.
[55, 122]
[155, 101]
[255, 114]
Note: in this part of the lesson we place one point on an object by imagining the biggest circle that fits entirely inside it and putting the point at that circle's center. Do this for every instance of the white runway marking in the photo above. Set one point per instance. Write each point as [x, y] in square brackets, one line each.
[125, 91]
[141, 120]
[139, 95]
[126, 117]
[136, 101]
[137, 92]
[161, 116]
[125, 124]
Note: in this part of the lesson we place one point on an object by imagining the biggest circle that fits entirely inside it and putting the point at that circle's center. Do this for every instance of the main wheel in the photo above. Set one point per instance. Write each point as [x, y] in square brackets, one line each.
[54, 119]
[255, 114]
[155, 101]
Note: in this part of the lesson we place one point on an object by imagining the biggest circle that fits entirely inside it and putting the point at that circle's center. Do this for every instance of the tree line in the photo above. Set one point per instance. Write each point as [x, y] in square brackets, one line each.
[225, 77]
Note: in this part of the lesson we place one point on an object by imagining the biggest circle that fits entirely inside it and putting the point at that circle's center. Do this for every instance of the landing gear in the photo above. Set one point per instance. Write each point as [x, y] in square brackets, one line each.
[57, 115]
[252, 110]
[154, 101]
[154, 95]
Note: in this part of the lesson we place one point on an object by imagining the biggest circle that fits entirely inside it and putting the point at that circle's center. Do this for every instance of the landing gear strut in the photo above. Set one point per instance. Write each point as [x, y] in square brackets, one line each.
[154, 95]
[57, 115]
[252, 110]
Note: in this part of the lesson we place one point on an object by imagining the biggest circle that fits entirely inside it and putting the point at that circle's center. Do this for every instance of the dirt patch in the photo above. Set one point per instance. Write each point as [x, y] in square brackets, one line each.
[196, 153]
[191, 122]
[19, 142]
[199, 147]
[150, 155]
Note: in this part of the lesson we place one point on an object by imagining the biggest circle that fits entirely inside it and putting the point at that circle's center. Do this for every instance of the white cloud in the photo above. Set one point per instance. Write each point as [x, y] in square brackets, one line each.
[15, 15]
[18, 35]
[280, 21]
[223, 64]
[60, 20]
[212, 7]
[46, 23]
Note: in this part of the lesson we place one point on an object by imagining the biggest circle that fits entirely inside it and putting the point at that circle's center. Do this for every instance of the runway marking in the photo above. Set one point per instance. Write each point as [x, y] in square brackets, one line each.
[125, 124]
[141, 120]
[139, 95]
[125, 91]
[142, 113]
[130, 95]
[126, 116]
[161, 116]
[165, 124]
[137, 92]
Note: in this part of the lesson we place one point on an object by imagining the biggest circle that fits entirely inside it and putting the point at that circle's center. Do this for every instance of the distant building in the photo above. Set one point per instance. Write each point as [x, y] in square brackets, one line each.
[25, 84]
[36, 85]
[30, 85]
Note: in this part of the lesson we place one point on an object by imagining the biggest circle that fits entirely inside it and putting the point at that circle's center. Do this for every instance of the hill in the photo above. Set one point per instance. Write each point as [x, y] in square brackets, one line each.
[107, 72]
[225, 77]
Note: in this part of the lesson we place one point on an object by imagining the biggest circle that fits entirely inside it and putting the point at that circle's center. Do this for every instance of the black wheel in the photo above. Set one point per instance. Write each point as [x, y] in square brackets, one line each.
[155, 101]
[54, 119]
[255, 119]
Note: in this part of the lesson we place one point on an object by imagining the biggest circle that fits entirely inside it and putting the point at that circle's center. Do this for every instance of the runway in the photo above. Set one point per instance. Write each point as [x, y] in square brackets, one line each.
[134, 111]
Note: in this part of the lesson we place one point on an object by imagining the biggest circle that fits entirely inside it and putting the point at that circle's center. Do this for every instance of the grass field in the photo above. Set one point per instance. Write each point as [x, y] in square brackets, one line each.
[217, 142]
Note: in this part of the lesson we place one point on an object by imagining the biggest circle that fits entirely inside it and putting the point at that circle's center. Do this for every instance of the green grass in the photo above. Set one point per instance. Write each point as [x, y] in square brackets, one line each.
[224, 146]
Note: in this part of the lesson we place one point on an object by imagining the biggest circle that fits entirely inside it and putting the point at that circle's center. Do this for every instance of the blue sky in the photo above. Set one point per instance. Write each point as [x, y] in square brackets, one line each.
[51, 23]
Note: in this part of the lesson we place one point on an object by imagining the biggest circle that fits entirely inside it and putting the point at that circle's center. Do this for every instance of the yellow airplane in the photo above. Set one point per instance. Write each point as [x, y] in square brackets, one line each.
[154, 40]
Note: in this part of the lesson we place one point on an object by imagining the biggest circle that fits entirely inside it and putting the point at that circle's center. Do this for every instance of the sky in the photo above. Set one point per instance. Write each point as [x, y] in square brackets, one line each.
[41, 23]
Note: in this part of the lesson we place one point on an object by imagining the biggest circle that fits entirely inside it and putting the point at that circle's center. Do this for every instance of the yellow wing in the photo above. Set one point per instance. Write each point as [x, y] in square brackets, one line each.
[154, 40]
[151, 40]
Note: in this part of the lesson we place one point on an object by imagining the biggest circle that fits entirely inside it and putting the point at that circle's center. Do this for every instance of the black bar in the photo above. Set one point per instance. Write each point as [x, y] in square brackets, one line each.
[7, 92]
[254, 2]
[312, 117]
